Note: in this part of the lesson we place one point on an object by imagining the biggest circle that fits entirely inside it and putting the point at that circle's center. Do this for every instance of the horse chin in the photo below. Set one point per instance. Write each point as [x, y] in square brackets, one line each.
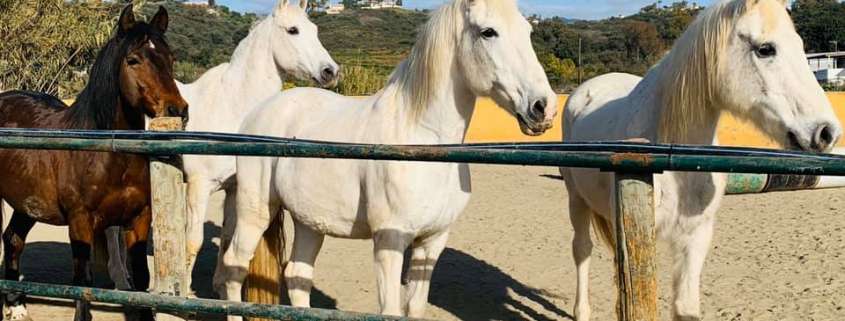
[325, 84]
[529, 130]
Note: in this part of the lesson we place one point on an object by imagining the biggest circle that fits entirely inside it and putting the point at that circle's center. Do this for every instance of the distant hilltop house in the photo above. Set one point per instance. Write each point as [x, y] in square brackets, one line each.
[380, 4]
[828, 67]
[335, 8]
[200, 3]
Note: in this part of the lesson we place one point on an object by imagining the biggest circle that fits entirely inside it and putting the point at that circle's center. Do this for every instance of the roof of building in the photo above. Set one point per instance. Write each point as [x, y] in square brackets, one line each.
[836, 54]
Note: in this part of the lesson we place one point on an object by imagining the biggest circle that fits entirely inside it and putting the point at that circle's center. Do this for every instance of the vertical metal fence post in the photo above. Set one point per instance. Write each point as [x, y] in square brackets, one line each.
[170, 271]
[635, 248]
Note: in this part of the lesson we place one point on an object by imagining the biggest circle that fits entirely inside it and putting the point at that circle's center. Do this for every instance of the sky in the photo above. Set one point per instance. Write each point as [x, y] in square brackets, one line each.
[575, 9]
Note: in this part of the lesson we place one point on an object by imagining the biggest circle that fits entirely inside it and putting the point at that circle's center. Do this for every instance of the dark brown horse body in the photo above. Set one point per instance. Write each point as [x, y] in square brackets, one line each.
[90, 191]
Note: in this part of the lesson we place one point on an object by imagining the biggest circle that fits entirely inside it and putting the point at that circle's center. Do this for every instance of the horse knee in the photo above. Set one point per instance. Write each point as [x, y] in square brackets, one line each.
[582, 313]
[228, 281]
[16, 312]
[582, 246]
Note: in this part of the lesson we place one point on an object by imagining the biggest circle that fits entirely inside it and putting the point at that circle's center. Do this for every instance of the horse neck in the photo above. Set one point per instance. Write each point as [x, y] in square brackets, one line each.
[444, 119]
[647, 95]
[127, 117]
[252, 74]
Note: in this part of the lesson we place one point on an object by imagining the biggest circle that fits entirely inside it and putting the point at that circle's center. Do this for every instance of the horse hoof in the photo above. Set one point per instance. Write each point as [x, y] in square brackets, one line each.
[16, 313]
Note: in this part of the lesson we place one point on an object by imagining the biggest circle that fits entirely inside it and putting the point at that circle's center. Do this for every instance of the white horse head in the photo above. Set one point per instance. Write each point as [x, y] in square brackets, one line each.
[745, 57]
[490, 43]
[498, 60]
[297, 49]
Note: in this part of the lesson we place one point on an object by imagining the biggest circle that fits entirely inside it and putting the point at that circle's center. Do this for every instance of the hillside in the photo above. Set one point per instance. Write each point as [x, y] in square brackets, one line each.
[368, 43]
[202, 38]
[379, 38]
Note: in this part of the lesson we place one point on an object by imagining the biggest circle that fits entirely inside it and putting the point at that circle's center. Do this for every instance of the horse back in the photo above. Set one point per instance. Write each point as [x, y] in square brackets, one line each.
[27, 109]
[48, 184]
[596, 110]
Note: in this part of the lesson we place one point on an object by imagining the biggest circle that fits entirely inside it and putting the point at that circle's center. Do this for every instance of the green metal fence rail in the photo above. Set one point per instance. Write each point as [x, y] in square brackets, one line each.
[636, 161]
[183, 305]
[618, 157]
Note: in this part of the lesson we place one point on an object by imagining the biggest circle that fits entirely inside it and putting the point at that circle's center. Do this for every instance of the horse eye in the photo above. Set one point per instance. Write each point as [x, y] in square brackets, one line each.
[765, 50]
[293, 31]
[132, 61]
[489, 33]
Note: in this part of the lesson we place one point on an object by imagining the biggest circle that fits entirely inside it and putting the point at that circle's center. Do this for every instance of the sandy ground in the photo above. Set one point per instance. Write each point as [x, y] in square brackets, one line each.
[774, 257]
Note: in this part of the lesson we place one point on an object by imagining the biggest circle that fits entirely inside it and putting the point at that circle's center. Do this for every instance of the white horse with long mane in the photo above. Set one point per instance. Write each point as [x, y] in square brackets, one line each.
[743, 57]
[469, 48]
[285, 43]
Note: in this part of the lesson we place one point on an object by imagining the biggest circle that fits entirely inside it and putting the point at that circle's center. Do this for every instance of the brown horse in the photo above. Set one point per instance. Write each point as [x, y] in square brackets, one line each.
[91, 191]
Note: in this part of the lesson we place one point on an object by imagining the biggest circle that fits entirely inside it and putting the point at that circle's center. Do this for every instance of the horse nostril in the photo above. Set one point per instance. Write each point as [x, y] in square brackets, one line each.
[174, 111]
[824, 136]
[328, 73]
[539, 107]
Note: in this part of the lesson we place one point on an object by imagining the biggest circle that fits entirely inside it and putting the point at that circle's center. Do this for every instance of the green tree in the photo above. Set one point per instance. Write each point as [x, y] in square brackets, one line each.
[47, 45]
[642, 40]
[819, 22]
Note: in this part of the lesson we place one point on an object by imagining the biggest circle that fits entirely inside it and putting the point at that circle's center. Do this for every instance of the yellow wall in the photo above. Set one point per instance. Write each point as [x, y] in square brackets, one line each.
[491, 124]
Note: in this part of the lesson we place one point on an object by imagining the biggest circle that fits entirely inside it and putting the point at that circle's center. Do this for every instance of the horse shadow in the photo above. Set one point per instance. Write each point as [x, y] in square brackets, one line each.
[472, 289]
[203, 272]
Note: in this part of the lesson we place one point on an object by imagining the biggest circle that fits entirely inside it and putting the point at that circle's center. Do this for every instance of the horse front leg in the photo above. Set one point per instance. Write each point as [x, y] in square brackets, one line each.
[136, 244]
[253, 219]
[299, 273]
[14, 240]
[81, 241]
[690, 253]
[423, 260]
[582, 249]
[199, 190]
[389, 247]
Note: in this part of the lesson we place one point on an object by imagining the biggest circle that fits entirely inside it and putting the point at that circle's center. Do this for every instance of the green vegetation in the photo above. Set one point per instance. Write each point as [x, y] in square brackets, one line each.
[202, 38]
[47, 45]
[821, 24]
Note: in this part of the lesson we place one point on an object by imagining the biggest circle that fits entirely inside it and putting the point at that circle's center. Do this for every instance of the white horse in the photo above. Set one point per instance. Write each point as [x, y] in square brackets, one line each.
[469, 48]
[284, 43]
[742, 57]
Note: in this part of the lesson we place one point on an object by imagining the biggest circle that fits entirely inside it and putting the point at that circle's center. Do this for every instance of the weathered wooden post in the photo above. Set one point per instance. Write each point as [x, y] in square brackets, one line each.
[170, 272]
[264, 283]
[636, 248]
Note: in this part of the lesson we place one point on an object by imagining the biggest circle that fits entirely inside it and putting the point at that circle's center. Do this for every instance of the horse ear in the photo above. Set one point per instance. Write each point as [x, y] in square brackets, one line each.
[161, 19]
[127, 19]
[751, 3]
[303, 4]
[282, 5]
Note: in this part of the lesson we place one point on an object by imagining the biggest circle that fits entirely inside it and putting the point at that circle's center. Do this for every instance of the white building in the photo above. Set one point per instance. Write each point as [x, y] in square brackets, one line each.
[828, 67]
[335, 8]
[380, 4]
[199, 3]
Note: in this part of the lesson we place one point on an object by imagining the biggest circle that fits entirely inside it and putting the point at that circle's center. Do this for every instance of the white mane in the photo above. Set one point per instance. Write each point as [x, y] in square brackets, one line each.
[693, 68]
[414, 82]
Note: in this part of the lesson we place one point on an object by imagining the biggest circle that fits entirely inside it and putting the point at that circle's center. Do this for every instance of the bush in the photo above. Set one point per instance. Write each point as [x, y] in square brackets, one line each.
[360, 81]
[48, 45]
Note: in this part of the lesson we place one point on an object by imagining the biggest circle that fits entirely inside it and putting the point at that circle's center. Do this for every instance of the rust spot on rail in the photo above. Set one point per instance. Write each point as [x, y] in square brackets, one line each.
[639, 159]
[88, 295]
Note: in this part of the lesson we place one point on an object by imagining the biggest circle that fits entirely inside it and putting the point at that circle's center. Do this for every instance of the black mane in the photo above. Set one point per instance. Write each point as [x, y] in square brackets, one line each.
[96, 106]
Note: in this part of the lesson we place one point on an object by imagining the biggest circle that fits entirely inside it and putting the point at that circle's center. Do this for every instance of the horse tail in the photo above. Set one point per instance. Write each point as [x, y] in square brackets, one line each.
[604, 230]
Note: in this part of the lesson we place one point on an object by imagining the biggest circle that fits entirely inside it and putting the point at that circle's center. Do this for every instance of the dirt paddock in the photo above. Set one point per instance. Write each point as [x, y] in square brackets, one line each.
[774, 257]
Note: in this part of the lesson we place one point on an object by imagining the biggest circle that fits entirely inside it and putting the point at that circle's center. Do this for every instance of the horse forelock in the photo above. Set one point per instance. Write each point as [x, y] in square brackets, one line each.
[689, 74]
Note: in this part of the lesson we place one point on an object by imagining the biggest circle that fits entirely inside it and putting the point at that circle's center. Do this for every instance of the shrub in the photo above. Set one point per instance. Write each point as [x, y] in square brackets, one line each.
[47, 45]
